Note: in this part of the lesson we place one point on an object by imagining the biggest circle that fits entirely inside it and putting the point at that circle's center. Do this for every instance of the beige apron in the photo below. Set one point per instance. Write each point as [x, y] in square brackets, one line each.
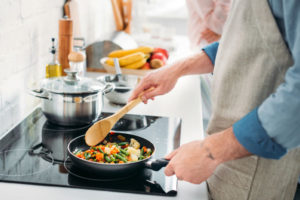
[251, 62]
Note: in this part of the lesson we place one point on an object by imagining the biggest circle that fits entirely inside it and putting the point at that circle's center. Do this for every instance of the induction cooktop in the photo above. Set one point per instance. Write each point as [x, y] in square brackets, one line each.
[35, 152]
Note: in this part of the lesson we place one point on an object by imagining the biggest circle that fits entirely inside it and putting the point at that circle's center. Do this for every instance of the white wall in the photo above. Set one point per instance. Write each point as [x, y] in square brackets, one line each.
[93, 19]
[26, 27]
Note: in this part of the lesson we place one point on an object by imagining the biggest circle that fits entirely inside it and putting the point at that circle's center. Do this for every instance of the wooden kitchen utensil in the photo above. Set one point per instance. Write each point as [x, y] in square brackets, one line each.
[118, 15]
[127, 15]
[67, 9]
[100, 129]
[65, 42]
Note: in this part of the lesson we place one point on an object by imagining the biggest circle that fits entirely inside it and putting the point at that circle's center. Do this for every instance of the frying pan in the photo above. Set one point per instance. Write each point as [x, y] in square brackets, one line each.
[114, 170]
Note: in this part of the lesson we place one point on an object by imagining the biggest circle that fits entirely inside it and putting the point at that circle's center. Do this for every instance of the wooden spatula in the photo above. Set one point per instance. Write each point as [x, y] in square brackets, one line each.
[100, 129]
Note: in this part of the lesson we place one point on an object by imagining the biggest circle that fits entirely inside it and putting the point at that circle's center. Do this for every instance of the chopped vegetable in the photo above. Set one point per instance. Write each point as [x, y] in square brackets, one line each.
[148, 153]
[134, 143]
[141, 157]
[107, 158]
[144, 148]
[112, 158]
[121, 157]
[100, 150]
[123, 143]
[124, 152]
[115, 153]
[121, 138]
[87, 155]
[99, 156]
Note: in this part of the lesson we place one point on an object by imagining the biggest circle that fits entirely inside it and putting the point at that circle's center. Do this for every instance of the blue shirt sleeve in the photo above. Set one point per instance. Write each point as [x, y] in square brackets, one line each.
[211, 51]
[250, 133]
[274, 127]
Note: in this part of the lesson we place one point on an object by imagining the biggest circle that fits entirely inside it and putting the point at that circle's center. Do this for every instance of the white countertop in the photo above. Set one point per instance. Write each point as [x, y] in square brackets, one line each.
[183, 101]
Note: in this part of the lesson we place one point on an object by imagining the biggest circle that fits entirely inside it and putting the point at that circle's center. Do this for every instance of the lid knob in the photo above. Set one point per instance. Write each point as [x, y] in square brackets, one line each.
[71, 77]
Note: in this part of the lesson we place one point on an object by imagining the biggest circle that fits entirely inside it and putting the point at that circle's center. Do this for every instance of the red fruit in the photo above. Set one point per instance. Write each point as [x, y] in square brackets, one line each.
[159, 56]
[146, 66]
[161, 50]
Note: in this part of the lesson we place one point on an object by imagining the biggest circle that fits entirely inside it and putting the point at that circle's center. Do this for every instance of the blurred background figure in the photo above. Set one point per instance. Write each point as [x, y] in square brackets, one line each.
[206, 19]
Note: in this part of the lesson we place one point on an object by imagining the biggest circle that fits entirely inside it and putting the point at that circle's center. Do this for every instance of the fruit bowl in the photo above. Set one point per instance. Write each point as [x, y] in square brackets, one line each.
[111, 69]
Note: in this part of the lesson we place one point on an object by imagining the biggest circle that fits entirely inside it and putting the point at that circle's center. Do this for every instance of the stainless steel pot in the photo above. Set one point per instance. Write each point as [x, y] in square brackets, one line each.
[70, 100]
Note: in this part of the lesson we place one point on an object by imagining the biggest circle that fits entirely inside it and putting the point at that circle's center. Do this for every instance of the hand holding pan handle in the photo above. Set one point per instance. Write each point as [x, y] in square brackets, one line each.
[157, 164]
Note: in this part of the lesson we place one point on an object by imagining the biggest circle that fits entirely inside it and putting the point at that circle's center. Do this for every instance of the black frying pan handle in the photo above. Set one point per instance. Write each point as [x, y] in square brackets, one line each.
[157, 164]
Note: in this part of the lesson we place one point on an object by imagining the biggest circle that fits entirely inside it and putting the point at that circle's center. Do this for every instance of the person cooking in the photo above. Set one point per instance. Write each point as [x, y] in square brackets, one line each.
[254, 129]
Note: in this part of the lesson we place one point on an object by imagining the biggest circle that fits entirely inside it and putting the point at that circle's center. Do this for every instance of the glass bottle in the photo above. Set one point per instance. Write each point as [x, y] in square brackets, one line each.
[53, 69]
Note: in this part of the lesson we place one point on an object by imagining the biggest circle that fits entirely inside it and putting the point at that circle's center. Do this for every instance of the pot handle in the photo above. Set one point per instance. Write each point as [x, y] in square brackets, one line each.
[39, 93]
[108, 88]
[157, 164]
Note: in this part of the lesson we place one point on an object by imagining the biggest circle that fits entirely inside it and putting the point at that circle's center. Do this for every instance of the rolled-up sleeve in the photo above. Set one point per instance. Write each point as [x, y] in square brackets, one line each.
[274, 127]
[211, 51]
[252, 135]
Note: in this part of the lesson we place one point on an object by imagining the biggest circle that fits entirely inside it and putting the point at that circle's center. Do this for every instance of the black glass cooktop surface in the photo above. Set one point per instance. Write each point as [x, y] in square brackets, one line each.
[34, 152]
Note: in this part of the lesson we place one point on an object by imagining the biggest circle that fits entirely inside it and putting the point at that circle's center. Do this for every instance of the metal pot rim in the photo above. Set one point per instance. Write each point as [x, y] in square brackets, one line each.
[72, 93]
[46, 94]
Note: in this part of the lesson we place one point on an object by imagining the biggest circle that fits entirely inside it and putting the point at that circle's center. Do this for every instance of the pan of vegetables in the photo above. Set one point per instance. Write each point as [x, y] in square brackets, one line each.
[118, 155]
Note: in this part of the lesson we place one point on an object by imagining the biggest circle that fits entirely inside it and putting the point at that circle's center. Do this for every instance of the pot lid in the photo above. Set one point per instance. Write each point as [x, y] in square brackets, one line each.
[72, 84]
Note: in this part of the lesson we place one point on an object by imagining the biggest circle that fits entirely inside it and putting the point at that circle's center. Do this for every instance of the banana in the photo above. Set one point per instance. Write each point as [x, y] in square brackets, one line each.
[126, 60]
[136, 65]
[121, 53]
[147, 55]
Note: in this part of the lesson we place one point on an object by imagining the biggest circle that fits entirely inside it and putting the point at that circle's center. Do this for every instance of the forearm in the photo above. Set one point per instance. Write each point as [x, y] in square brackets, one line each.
[223, 146]
[195, 64]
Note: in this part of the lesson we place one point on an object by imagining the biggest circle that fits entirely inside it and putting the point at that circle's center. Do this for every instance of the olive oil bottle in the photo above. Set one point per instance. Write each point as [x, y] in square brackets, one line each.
[53, 69]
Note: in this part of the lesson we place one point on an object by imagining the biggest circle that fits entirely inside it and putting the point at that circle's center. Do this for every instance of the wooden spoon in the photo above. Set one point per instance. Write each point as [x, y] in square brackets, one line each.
[100, 129]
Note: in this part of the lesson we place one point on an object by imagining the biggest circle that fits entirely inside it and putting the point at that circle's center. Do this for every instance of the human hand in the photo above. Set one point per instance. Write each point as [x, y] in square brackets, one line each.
[196, 161]
[162, 81]
[192, 162]
[210, 36]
